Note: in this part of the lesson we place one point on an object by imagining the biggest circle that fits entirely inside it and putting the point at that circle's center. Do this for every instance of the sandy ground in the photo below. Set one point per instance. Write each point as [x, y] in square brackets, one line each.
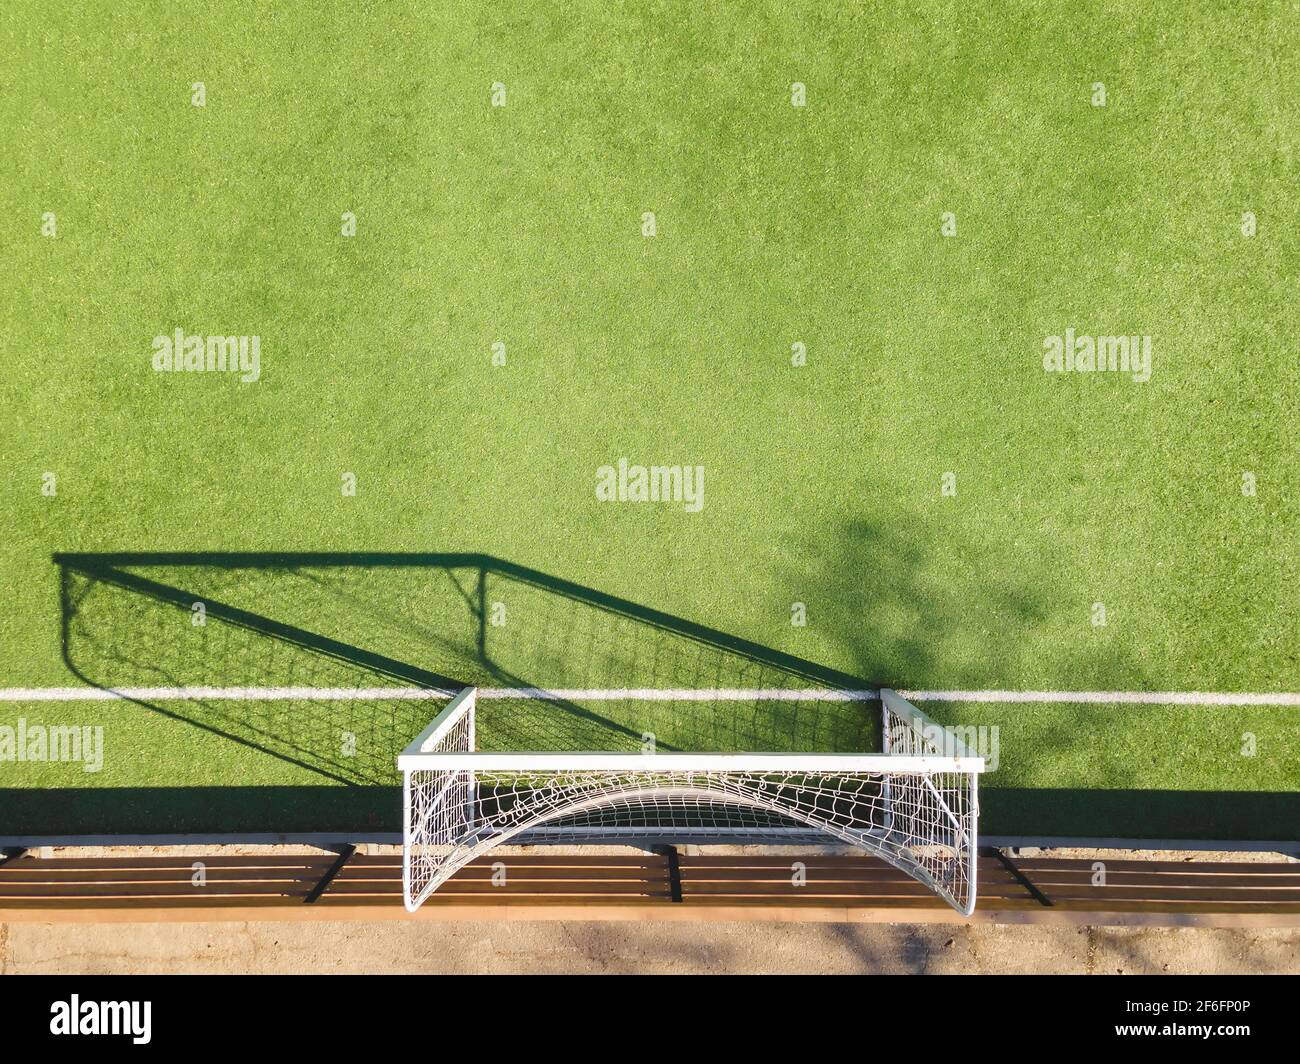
[650, 947]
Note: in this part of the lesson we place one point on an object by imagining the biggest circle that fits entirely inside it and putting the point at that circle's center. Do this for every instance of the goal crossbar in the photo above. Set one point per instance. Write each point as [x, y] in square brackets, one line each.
[617, 762]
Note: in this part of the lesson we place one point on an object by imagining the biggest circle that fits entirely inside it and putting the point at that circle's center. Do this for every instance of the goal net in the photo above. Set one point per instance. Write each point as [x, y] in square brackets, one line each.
[915, 805]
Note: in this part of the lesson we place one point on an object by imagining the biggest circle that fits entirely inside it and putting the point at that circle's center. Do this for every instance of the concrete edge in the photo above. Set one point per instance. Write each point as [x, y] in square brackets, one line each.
[329, 840]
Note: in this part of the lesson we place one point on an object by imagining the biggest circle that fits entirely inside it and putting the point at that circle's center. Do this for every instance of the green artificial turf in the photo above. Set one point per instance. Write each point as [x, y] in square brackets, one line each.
[776, 225]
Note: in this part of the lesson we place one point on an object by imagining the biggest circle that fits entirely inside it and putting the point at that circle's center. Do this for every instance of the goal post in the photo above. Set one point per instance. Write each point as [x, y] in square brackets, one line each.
[915, 805]
[438, 805]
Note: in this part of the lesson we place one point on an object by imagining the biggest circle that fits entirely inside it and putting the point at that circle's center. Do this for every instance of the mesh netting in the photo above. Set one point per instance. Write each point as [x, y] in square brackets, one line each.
[921, 821]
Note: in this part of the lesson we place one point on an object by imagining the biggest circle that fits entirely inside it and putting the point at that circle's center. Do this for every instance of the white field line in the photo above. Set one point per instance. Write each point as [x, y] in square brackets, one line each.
[1133, 698]
[645, 694]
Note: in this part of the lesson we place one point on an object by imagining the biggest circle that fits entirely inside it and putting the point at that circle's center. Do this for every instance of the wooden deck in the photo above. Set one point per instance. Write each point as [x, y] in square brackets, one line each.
[538, 885]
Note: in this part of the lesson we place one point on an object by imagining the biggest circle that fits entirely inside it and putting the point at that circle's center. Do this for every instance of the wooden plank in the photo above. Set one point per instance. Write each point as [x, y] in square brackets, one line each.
[212, 861]
[1166, 905]
[56, 876]
[1166, 879]
[845, 868]
[155, 890]
[709, 860]
[513, 888]
[553, 899]
[316, 859]
[1048, 864]
[653, 866]
[1121, 894]
[790, 900]
[303, 885]
[785, 890]
[570, 860]
[287, 906]
[56, 870]
[484, 875]
[742, 873]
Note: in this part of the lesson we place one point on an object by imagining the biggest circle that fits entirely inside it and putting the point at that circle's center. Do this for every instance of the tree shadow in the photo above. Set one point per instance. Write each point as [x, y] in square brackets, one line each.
[920, 617]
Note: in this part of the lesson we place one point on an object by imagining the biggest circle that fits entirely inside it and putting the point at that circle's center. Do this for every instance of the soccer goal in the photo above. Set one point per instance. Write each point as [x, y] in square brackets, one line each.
[915, 805]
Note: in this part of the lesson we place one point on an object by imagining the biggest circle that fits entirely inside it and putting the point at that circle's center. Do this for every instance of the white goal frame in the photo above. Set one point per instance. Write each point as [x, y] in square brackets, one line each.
[916, 805]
